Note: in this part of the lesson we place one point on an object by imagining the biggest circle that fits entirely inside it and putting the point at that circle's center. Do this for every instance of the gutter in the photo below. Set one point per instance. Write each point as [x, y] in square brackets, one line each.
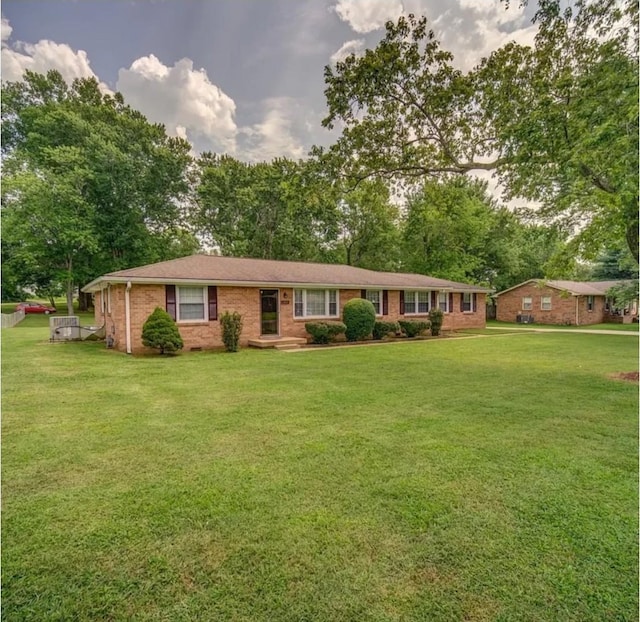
[95, 285]
[127, 316]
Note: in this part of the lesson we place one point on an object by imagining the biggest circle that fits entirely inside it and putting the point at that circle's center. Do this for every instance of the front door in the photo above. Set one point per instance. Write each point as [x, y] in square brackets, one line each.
[269, 311]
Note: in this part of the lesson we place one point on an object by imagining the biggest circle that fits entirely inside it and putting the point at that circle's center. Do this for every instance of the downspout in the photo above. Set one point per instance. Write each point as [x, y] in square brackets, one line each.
[127, 316]
[577, 311]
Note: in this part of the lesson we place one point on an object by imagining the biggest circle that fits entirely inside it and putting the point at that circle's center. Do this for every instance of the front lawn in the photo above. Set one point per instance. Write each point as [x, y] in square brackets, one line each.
[486, 478]
[608, 326]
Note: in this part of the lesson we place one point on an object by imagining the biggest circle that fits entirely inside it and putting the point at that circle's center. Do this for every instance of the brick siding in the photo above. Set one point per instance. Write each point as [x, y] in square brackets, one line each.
[564, 307]
[246, 301]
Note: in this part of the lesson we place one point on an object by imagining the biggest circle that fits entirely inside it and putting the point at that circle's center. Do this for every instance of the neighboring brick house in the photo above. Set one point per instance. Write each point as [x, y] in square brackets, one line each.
[275, 298]
[561, 302]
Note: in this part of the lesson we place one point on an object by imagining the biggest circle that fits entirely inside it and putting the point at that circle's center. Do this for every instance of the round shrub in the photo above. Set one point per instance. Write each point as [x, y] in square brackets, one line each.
[413, 328]
[324, 332]
[160, 332]
[382, 329]
[359, 316]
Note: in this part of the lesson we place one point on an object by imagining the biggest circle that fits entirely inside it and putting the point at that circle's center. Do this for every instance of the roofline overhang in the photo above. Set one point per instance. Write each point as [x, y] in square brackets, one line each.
[101, 282]
[545, 284]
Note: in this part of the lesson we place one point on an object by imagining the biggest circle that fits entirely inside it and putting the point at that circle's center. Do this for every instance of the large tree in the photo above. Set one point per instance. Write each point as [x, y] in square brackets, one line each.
[89, 186]
[281, 209]
[557, 122]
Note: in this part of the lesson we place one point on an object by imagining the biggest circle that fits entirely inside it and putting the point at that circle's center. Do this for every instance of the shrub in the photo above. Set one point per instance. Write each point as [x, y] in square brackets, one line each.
[359, 316]
[436, 316]
[231, 324]
[382, 329]
[324, 332]
[160, 332]
[413, 328]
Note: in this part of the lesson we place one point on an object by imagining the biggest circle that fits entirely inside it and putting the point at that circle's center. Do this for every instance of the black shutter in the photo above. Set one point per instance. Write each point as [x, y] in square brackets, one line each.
[385, 302]
[170, 295]
[461, 302]
[450, 305]
[475, 302]
[401, 302]
[434, 300]
[213, 303]
[363, 293]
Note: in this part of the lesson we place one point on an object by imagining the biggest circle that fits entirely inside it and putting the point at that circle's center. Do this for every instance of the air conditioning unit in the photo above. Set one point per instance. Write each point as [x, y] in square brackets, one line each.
[524, 319]
[64, 328]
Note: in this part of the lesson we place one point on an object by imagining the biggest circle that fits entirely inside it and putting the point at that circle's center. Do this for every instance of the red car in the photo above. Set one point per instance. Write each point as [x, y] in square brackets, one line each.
[35, 307]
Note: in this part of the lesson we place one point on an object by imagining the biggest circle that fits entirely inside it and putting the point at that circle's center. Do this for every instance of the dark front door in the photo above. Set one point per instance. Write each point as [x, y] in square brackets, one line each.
[269, 311]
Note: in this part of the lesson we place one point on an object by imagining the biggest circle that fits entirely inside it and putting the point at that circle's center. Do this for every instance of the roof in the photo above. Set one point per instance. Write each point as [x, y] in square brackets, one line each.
[575, 288]
[216, 270]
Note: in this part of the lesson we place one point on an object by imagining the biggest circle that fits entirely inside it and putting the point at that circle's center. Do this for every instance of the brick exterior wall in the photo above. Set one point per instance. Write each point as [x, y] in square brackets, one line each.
[246, 301]
[564, 307]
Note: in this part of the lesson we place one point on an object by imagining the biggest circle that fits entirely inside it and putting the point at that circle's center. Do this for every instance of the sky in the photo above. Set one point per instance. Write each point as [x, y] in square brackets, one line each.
[242, 77]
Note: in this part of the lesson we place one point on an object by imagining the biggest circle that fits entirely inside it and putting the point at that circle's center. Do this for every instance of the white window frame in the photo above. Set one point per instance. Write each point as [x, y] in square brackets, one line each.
[469, 302]
[103, 301]
[443, 302]
[527, 306]
[377, 305]
[415, 295]
[300, 296]
[542, 303]
[591, 303]
[205, 304]
[109, 299]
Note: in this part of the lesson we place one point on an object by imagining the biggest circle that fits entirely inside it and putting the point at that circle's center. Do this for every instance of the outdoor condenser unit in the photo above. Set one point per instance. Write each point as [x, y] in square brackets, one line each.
[64, 327]
[524, 319]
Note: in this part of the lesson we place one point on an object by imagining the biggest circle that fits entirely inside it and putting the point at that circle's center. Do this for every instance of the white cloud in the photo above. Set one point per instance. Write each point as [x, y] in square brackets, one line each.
[368, 15]
[6, 30]
[279, 132]
[184, 100]
[355, 46]
[41, 57]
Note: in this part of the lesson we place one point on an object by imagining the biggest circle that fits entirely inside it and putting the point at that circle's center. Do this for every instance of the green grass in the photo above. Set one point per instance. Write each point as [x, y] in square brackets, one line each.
[489, 478]
[608, 326]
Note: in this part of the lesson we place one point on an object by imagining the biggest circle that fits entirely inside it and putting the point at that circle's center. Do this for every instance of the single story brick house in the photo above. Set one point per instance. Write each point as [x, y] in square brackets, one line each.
[275, 298]
[561, 302]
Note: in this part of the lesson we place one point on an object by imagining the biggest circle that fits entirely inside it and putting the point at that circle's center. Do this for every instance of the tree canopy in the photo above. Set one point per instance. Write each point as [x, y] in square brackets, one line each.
[89, 186]
[556, 122]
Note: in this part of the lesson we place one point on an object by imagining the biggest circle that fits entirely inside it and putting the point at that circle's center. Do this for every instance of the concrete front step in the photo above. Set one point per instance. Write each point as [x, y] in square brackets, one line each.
[275, 342]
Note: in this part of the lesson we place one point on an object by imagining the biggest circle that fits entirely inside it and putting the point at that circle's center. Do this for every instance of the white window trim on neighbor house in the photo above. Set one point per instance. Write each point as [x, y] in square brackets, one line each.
[527, 303]
[375, 296]
[105, 300]
[181, 291]
[331, 304]
[545, 303]
[415, 298]
[591, 303]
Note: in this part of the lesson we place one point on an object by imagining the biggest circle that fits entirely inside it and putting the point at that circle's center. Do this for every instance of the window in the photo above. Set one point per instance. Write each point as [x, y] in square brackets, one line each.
[527, 303]
[374, 296]
[105, 300]
[590, 303]
[315, 303]
[545, 303]
[191, 303]
[443, 302]
[467, 302]
[416, 302]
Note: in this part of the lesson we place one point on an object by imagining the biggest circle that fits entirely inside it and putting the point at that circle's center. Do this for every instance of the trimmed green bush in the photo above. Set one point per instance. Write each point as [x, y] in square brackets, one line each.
[324, 332]
[382, 329]
[413, 328]
[436, 317]
[359, 316]
[231, 324]
[161, 332]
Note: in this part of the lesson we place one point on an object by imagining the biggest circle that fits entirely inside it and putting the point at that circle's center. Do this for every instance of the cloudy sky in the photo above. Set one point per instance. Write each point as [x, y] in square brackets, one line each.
[244, 77]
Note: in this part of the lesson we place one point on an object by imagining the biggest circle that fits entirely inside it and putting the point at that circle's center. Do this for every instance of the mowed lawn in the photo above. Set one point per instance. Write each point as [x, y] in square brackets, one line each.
[481, 478]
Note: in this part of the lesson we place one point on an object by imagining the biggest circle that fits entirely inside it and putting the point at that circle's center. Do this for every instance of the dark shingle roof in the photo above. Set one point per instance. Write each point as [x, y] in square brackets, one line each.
[238, 270]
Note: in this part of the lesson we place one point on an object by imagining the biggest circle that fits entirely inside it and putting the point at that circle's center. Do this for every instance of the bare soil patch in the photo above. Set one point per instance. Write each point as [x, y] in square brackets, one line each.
[629, 376]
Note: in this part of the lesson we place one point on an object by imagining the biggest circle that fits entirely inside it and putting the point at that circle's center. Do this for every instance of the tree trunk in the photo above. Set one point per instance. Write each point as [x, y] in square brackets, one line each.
[84, 301]
[69, 287]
